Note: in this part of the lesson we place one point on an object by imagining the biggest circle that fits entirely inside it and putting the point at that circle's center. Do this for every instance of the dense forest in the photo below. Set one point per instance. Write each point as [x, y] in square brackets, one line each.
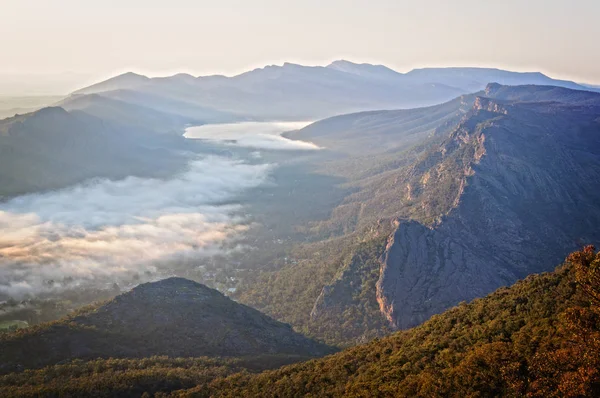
[350, 274]
[538, 338]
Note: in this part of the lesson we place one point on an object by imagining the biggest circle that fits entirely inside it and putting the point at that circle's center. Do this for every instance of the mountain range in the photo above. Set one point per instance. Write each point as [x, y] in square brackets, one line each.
[432, 188]
[297, 92]
[131, 108]
[458, 200]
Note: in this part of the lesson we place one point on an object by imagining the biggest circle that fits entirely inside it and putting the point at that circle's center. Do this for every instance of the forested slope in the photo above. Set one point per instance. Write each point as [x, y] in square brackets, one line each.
[504, 191]
[538, 338]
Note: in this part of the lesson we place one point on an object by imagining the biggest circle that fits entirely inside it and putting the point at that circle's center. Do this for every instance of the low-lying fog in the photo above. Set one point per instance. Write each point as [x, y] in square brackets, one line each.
[114, 229]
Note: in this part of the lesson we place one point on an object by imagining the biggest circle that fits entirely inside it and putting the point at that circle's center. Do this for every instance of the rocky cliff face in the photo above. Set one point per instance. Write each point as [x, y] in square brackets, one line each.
[527, 192]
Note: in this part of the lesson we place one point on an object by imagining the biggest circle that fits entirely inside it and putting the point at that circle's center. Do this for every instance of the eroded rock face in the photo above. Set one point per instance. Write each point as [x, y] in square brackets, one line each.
[530, 194]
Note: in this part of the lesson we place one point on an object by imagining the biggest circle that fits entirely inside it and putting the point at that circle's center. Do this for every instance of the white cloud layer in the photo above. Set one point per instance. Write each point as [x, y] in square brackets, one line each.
[110, 228]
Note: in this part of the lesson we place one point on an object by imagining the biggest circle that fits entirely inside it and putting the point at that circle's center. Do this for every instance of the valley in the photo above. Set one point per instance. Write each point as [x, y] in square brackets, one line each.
[367, 199]
[217, 193]
[314, 226]
[330, 234]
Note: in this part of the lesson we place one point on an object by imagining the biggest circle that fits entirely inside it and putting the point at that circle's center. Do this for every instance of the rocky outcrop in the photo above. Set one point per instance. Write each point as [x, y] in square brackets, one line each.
[353, 291]
[487, 104]
[529, 194]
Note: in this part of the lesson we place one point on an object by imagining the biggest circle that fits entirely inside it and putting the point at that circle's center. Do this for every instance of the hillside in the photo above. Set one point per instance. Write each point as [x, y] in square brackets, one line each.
[474, 79]
[392, 130]
[133, 117]
[541, 93]
[529, 167]
[174, 317]
[52, 148]
[538, 338]
[503, 191]
[376, 71]
[383, 131]
[150, 110]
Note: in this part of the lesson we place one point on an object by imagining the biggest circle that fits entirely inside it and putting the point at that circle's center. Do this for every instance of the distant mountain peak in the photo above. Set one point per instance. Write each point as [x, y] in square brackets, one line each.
[343, 62]
[125, 80]
[362, 69]
[168, 296]
[41, 117]
[47, 115]
[173, 283]
[130, 75]
[311, 92]
[175, 290]
[51, 110]
[291, 65]
[186, 75]
[181, 77]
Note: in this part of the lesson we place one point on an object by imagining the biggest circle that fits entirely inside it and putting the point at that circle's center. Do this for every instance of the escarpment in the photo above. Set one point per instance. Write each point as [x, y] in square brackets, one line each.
[527, 187]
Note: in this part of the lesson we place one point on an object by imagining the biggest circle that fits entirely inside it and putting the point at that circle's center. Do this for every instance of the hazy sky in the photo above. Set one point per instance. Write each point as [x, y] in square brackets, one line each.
[94, 39]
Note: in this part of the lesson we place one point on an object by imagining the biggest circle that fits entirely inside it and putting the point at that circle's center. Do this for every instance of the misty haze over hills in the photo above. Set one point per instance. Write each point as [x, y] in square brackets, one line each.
[132, 125]
[130, 128]
[205, 199]
[288, 92]
[349, 201]
[297, 92]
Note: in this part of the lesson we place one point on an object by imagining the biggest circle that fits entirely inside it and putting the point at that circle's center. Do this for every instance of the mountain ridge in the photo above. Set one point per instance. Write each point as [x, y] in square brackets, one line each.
[498, 190]
[297, 92]
[483, 194]
[350, 67]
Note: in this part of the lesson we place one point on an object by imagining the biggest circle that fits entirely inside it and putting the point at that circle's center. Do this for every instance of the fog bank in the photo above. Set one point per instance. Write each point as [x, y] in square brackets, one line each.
[112, 229]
